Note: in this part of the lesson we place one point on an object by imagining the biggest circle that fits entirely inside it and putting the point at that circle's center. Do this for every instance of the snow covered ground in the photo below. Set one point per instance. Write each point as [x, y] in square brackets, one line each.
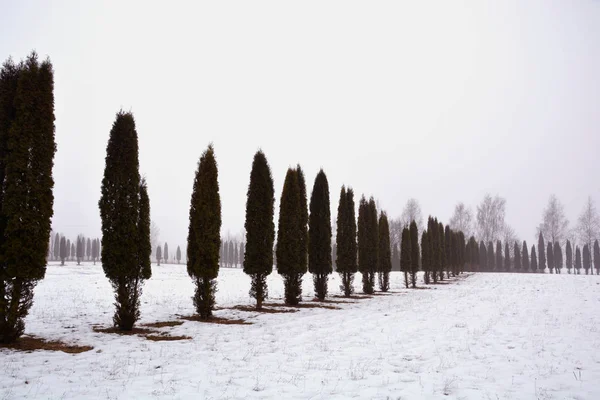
[487, 336]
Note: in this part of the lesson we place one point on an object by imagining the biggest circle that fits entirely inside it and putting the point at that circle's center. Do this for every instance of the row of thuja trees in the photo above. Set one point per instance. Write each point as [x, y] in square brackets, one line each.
[516, 258]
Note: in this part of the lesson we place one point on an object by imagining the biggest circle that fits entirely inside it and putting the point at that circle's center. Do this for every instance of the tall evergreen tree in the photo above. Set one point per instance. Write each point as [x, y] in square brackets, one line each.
[123, 205]
[303, 233]
[586, 259]
[88, 249]
[482, 257]
[542, 253]
[94, 250]
[319, 235]
[73, 253]
[346, 241]
[491, 261]
[425, 256]
[79, 249]
[558, 258]
[406, 254]
[447, 249]
[235, 254]
[384, 256]
[231, 255]
[260, 228]
[507, 260]
[367, 243]
[577, 260]
[166, 253]
[569, 251]
[204, 233]
[534, 261]
[63, 250]
[499, 261]
[158, 254]
[525, 257]
[597, 257]
[290, 244]
[550, 257]
[414, 253]
[68, 250]
[442, 249]
[57, 247]
[473, 254]
[178, 254]
[517, 257]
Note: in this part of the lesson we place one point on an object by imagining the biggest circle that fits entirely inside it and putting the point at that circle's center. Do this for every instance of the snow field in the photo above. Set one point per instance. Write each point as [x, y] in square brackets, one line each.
[481, 336]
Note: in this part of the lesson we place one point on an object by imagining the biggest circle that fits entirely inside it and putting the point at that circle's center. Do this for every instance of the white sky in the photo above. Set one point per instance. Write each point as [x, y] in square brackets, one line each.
[441, 101]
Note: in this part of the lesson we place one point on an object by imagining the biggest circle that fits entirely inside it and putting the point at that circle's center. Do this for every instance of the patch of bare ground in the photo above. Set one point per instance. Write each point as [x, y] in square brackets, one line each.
[32, 343]
[216, 320]
[327, 301]
[262, 310]
[134, 331]
[353, 297]
[168, 338]
[303, 305]
[163, 324]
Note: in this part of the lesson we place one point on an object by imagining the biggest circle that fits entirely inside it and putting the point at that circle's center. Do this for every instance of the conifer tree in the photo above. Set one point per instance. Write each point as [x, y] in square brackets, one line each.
[346, 248]
[158, 254]
[406, 254]
[442, 250]
[517, 257]
[303, 234]
[178, 254]
[260, 228]
[534, 262]
[231, 254]
[94, 251]
[68, 250]
[550, 257]
[425, 257]
[73, 252]
[499, 261]
[447, 249]
[577, 260]
[204, 234]
[414, 253]
[473, 254]
[541, 253]
[597, 257]
[586, 259]
[525, 258]
[290, 244]
[125, 215]
[491, 257]
[235, 254]
[88, 249]
[507, 260]
[558, 258]
[79, 249]
[56, 249]
[462, 251]
[166, 253]
[482, 257]
[319, 235]
[63, 250]
[384, 256]
[569, 251]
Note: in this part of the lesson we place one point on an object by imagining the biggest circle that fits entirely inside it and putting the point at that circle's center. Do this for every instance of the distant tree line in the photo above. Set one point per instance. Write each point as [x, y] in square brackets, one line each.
[81, 249]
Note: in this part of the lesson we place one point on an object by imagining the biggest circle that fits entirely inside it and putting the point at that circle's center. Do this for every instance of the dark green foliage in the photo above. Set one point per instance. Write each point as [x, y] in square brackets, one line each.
[63, 250]
[442, 249]
[290, 243]
[482, 257]
[178, 254]
[491, 258]
[414, 253]
[447, 250]
[319, 235]
[56, 249]
[558, 258]
[346, 241]
[499, 260]
[525, 258]
[473, 254]
[550, 257]
[586, 259]
[204, 233]
[597, 257]
[569, 251]
[368, 235]
[122, 205]
[534, 261]
[507, 261]
[542, 253]
[384, 257]
[434, 245]
[88, 249]
[425, 256]
[158, 254]
[27, 149]
[577, 260]
[260, 228]
[166, 253]
[517, 257]
[79, 249]
[303, 234]
[406, 254]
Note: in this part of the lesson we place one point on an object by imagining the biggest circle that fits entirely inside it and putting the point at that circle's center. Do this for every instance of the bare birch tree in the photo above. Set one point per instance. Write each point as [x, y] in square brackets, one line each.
[588, 224]
[554, 226]
[490, 218]
[462, 220]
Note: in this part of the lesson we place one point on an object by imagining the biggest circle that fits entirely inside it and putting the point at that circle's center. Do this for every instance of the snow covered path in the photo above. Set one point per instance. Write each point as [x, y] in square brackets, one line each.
[487, 336]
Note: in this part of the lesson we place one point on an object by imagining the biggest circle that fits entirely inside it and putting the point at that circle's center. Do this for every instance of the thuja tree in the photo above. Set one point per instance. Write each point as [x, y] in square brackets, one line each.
[597, 257]
[260, 228]
[517, 257]
[448, 249]
[63, 250]
[290, 251]
[125, 215]
[303, 232]
[367, 243]
[27, 149]
[558, 258]
[166, 253]
[158, 254]
[384, 256]
[414, 253]
[319, 235]
[425, 256]
[346, 247]
[525, 257]
[482, 257]
[491, 258]
[442, 250]
[577, 260]
[499, 261]
[569, 254]
[507, 260]
[204, 234]
[434, 246]
[534, 261]
[541, 253]
[178, 254]
[586, 259]
[550, 257]
[406, 255]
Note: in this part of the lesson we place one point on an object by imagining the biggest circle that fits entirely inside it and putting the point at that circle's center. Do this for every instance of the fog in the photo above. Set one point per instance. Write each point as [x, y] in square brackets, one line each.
[438, 101]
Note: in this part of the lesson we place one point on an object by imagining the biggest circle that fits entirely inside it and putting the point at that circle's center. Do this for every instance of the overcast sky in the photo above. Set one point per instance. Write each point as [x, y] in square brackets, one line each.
[442, 101]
